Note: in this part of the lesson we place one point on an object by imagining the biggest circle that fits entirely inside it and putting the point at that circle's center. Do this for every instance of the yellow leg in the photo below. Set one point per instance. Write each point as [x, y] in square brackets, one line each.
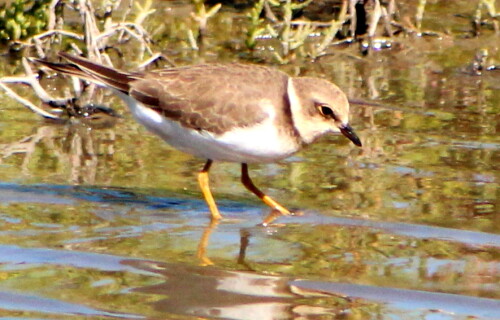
[205, 189]
[247, 182]
[202, 246]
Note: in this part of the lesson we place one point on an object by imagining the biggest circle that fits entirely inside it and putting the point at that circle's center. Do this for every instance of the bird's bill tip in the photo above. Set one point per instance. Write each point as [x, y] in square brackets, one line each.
[349, 133]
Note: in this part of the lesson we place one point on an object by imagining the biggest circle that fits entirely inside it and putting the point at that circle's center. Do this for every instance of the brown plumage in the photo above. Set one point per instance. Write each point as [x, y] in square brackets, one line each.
[205, 97]
[209, 97]
[226, 112]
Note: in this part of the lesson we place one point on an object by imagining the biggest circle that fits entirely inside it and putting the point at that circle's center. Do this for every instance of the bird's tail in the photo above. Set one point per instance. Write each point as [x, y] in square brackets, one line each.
[88, 70]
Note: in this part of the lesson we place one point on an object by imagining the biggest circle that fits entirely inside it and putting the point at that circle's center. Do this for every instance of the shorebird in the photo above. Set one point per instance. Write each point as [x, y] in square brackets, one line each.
[225, 112]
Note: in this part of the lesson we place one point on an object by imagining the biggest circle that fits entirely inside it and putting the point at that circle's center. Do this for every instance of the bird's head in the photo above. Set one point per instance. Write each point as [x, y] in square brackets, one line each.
[319, 107]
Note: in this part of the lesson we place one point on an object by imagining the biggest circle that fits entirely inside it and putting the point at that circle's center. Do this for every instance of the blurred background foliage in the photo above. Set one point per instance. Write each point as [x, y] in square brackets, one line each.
[20, 19]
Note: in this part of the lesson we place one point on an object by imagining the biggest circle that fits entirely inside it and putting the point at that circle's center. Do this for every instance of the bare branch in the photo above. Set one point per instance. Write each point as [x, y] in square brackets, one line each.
[26, 103]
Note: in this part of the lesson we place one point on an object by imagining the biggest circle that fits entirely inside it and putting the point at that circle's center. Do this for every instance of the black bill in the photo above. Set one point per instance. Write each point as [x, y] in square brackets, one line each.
[350, 134]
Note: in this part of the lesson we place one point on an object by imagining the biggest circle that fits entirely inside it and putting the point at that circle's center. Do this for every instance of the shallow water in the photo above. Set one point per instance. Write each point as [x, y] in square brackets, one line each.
[108, 223]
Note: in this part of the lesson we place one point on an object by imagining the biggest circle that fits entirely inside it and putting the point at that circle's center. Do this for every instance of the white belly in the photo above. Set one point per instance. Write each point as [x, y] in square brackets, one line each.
[258, 144]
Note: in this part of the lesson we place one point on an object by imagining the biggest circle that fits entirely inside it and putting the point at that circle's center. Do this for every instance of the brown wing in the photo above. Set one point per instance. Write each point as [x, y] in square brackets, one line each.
[213, 97]
[85, 68]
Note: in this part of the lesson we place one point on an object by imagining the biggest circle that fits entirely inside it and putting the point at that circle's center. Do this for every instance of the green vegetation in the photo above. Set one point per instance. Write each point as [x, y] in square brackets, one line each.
[289, 37]
[22, 19]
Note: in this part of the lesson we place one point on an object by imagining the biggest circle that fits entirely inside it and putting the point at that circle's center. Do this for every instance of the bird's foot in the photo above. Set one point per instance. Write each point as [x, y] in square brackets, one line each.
[276, 213]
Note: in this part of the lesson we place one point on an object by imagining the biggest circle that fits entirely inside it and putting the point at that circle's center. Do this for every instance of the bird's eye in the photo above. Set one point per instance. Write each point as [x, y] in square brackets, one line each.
[326, 111]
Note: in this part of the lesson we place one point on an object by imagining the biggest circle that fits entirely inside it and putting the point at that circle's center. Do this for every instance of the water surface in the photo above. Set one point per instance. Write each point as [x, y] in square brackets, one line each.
[108, 223]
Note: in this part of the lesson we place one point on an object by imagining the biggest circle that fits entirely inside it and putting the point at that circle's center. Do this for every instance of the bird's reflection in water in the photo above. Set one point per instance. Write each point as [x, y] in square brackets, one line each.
[244, 241]
[202, 246]
[206, 291]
